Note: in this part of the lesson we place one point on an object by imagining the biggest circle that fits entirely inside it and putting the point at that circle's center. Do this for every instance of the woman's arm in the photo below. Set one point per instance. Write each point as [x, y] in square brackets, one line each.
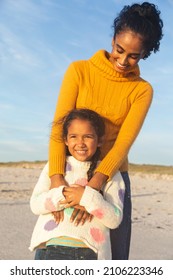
[97, 181]
[66, 101]
[57, 180]
[129, 130]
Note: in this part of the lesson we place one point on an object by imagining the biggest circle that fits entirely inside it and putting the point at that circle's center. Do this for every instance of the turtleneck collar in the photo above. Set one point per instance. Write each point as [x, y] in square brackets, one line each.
[101, 61]
[78, 164]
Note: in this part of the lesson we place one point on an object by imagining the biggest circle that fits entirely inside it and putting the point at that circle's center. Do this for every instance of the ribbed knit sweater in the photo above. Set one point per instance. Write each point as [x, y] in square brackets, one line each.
[121, 99]
[107, 209]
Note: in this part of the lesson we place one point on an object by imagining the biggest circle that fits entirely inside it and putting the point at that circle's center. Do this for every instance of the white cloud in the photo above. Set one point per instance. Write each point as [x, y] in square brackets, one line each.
[13, 49]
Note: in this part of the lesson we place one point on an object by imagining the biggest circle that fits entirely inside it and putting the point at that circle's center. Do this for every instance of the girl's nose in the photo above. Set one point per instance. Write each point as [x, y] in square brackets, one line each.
[80, 141]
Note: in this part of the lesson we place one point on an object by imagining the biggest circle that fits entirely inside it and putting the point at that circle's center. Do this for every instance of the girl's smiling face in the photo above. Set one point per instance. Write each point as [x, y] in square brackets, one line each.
[127, 50]
[82, 140]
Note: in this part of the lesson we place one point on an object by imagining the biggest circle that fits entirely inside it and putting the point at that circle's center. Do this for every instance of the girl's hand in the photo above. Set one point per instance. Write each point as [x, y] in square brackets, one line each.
[73, 195]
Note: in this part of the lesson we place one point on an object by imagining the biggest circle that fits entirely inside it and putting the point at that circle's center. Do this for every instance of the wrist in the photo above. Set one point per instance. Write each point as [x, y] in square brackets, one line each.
[97, 181]
[57, 180]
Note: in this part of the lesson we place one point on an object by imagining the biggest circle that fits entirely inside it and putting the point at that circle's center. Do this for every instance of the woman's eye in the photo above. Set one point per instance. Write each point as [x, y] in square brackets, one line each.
[119, 51]
[134, 56]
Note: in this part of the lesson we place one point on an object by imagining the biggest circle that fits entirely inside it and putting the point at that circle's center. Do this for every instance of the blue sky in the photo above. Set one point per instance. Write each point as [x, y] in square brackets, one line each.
[38, 40]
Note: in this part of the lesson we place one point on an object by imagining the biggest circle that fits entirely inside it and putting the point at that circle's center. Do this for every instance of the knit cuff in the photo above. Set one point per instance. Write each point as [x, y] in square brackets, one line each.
[56, 195]
[107, 167]
[87, 197]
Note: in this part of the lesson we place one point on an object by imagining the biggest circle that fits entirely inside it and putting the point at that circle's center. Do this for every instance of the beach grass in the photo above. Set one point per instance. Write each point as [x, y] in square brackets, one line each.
[151, 169]
[142, 168]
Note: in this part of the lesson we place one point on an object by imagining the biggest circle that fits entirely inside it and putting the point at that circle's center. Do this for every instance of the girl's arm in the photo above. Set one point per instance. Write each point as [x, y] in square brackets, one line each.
[107, 208]
[45, 200]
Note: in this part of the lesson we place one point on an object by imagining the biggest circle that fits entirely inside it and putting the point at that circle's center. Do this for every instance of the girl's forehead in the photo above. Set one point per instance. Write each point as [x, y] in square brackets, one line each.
[81, 124]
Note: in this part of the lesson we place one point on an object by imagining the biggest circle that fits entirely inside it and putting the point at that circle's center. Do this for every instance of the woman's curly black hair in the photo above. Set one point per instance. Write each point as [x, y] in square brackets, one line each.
[143, 19]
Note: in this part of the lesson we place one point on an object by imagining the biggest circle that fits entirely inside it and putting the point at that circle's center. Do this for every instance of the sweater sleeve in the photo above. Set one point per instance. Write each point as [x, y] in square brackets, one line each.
[66, 102]
[109, 207]
[43, 200]
[128, 132]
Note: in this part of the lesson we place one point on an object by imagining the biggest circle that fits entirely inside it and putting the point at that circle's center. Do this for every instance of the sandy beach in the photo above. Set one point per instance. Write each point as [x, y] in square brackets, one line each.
[152, 217]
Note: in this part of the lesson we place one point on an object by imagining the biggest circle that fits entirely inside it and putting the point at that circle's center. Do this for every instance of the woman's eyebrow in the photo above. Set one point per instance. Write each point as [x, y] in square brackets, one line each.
[124, 49]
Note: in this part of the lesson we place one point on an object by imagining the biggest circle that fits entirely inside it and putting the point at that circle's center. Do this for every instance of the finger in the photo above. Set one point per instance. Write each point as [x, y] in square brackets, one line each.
[79, 216]
[85, 218]
[90, 217]
[67, 189]
[58, 216]
[61, 215]
[74, 214]
[67, 195]
[80, 207]
[63, 201]
[70, 204]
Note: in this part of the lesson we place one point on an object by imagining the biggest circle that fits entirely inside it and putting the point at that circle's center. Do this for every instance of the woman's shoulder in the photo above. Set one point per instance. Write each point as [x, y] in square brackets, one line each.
[86, 61]
[145, 85]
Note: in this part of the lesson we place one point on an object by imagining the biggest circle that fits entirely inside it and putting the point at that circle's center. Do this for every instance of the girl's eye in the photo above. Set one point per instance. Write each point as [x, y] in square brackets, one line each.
[89, 136]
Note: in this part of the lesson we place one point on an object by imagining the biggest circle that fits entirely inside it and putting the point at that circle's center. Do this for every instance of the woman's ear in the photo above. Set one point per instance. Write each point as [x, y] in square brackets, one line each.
[113, 42]
[143, 54]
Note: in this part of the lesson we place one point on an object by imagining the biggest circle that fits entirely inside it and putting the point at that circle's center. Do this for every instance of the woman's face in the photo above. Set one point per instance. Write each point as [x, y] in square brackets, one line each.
[127, 50]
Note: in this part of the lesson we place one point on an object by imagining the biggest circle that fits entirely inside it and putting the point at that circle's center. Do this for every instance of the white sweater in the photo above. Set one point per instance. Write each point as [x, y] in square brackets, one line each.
[107, 209]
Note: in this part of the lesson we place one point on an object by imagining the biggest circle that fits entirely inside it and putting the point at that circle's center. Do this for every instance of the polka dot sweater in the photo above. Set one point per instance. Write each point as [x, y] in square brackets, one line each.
[107, 209]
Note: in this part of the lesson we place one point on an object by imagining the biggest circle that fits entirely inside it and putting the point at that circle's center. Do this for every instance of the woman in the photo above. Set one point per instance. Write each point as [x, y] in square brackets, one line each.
[110, 84]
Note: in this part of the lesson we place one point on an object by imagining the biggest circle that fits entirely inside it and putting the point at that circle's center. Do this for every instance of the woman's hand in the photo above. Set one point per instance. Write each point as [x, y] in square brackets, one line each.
[80, 216]
[58, 216]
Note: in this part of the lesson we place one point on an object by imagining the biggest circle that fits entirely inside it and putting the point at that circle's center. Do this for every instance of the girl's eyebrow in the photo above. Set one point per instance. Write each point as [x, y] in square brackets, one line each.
[90, 134]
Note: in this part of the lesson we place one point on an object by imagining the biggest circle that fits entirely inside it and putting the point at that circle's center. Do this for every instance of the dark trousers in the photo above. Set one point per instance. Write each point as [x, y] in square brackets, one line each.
[65, 253]
[120, 237]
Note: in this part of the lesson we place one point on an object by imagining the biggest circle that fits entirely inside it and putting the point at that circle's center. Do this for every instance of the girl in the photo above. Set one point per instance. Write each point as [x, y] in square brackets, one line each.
[83, 132]
[110, 84]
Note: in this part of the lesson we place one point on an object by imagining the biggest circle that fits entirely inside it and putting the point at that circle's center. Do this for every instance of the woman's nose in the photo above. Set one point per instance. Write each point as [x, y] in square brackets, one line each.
[123, 60]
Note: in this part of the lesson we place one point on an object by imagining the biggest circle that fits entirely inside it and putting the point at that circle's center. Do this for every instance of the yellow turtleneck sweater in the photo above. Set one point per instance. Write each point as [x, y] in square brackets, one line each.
[121, 99]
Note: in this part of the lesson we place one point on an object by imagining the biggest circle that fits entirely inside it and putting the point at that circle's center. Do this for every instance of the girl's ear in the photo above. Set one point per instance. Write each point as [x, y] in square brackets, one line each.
[65, 141]
[100, 141]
